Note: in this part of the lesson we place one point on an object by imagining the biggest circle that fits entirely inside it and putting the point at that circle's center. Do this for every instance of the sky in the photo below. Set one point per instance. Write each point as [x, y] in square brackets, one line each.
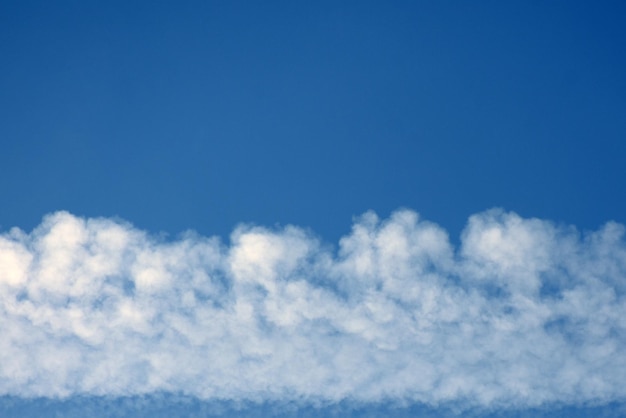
[320, 209]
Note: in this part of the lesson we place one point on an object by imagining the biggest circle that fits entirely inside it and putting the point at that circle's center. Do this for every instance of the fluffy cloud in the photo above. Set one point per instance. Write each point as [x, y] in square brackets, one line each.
[524, 313]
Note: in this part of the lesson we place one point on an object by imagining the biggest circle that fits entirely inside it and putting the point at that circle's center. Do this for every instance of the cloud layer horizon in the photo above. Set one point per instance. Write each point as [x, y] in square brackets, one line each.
[523, 313]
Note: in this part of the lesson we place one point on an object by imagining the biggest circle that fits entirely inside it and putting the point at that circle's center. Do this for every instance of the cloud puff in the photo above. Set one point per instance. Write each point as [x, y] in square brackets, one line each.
[524, 313]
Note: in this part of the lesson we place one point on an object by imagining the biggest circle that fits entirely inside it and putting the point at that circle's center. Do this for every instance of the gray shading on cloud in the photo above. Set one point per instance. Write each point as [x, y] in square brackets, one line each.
[524, 313]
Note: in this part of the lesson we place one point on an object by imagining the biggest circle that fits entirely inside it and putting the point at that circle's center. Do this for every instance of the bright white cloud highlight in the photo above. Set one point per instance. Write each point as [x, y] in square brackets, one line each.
[523, 313]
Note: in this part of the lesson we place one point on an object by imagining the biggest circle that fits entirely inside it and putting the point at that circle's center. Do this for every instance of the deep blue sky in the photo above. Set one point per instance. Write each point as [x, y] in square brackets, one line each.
[203, 114]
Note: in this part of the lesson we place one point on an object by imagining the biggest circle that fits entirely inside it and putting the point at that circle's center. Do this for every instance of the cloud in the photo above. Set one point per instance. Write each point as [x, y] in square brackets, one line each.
[523, 314]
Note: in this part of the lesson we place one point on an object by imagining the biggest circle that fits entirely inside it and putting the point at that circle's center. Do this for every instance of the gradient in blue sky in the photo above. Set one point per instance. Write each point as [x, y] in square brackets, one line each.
[207, 115]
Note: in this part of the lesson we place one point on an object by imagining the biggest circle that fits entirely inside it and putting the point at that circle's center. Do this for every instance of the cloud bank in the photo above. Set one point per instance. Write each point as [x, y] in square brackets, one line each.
[523, 313]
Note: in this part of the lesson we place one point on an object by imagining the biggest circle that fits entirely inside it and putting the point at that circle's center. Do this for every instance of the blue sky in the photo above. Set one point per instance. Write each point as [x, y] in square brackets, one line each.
[142, 120]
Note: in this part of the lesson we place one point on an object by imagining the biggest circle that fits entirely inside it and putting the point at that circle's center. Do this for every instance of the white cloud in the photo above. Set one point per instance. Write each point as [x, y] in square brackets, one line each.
[523, 313]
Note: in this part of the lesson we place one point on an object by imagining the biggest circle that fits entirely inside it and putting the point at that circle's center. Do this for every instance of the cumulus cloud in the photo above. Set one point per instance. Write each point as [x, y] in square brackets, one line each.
[523, 313]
